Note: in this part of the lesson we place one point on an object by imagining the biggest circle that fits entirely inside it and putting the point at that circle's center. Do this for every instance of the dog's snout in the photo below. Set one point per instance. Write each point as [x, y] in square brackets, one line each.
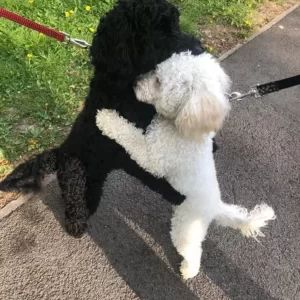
[197, 50]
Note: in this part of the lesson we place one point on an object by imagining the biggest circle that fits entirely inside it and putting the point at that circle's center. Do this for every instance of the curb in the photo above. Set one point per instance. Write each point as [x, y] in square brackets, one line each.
[262, 30]
[13, 205]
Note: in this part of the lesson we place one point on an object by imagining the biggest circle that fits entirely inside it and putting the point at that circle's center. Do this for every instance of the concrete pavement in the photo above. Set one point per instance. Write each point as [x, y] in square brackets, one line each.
[128, 254]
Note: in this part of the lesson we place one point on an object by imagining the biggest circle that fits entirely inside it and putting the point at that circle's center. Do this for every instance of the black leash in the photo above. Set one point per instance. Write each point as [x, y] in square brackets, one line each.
[260, 90]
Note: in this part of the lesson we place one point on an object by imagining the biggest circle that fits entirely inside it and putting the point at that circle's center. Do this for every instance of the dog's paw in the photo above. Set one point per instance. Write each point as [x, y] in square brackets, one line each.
[189, 270]
[107, 119]
[76, 228]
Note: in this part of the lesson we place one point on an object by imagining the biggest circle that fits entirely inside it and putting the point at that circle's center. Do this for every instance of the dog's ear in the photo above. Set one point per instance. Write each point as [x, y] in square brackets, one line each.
[112, 48]
[203, 112]
[160, 15]
[129, 39]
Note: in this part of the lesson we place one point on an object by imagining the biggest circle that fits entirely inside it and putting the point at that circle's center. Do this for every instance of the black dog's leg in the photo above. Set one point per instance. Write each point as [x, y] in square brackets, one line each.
[94, 193]
[72, 180]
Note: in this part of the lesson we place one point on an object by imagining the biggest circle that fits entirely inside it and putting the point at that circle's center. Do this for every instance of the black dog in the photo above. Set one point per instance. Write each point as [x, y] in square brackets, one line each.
[130, 40]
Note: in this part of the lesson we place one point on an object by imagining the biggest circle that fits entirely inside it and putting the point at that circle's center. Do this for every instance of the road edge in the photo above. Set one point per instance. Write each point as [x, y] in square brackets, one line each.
[23, 198]
[258, 33]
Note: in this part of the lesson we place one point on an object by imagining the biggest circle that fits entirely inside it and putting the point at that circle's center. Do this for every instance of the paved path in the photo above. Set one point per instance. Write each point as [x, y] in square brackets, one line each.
[128, 253]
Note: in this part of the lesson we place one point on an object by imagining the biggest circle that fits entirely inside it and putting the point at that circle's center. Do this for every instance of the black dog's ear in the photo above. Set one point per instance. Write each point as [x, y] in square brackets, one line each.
[112, 51]
[157, 14]
[170, 19]
[127, 37]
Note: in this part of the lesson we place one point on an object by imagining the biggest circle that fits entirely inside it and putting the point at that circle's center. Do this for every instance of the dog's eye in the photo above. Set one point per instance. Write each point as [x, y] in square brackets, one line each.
[157, 80]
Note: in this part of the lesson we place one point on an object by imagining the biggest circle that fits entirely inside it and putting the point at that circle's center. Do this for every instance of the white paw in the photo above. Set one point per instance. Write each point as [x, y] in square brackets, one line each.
[189, 270]
[106, 119]
[258, 218]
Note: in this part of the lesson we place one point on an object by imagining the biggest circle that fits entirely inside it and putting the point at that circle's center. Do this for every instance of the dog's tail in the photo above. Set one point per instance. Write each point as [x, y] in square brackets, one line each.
[28, 176]
[249, 223]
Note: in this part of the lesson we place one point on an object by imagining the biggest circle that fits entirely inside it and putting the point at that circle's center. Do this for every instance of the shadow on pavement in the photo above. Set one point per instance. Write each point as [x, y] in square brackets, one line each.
[135, 245]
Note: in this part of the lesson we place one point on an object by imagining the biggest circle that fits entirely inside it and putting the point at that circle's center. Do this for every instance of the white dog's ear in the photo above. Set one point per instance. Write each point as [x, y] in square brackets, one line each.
[202, 113]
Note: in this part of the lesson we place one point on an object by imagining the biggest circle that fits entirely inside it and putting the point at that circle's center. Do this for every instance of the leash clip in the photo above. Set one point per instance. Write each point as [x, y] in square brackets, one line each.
[76, 42]
[253, 92]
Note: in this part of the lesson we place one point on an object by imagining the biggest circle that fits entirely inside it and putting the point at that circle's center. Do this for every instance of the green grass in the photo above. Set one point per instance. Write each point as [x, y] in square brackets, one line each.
[238, 13]
[43, 83]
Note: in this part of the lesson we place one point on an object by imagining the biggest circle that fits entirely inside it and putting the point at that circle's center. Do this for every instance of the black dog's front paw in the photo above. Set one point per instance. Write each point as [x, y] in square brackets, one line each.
[76, 227]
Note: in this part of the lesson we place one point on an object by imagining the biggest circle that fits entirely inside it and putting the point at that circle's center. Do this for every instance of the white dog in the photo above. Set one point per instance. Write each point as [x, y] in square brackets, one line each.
[189, 94]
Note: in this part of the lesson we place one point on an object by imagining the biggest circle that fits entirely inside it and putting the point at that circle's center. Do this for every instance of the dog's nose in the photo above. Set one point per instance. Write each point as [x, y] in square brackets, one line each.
[197, 50]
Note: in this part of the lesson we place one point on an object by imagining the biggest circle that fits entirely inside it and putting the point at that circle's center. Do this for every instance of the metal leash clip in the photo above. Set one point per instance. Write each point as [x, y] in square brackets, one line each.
[239, 96]
[76, 42]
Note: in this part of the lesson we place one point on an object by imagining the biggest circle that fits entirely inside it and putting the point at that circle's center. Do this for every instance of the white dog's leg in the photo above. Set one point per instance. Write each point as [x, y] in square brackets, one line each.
[189, 228]
[249, 223]
[129, 137]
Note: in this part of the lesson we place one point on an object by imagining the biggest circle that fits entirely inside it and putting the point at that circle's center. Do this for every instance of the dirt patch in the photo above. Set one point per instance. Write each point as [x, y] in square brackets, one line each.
[7, 197]
[219, 38]
[6, 168]
[270, 10]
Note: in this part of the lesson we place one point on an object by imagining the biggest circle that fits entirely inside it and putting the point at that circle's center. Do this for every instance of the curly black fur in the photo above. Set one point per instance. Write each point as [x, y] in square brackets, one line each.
[130, 40]
[28, 176]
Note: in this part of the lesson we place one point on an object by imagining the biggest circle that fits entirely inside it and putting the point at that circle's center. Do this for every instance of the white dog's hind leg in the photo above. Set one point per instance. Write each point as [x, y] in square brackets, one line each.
[189, 229]
[249, 223]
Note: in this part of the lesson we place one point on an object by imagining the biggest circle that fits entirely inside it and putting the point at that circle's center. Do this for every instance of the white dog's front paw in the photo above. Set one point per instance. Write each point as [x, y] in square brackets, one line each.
[189, 270]
[106, 119]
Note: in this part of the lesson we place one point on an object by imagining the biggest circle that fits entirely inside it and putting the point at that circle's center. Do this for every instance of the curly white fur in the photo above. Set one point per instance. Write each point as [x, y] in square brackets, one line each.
[191, 89]
[188, 92]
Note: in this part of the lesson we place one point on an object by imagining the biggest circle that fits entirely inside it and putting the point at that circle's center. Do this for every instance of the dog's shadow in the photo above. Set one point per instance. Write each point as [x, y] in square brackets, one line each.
[133, 231]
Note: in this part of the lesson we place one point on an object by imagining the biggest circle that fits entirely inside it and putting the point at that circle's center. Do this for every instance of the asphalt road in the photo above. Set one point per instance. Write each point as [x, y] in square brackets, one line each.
[128, 254]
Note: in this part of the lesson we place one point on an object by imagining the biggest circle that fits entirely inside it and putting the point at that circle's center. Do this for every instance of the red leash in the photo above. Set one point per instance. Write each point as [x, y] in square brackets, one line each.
[53, 33]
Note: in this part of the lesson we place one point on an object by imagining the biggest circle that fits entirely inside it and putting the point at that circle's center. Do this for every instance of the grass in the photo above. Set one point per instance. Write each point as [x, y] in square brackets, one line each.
[238, 13]
[43, 83]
